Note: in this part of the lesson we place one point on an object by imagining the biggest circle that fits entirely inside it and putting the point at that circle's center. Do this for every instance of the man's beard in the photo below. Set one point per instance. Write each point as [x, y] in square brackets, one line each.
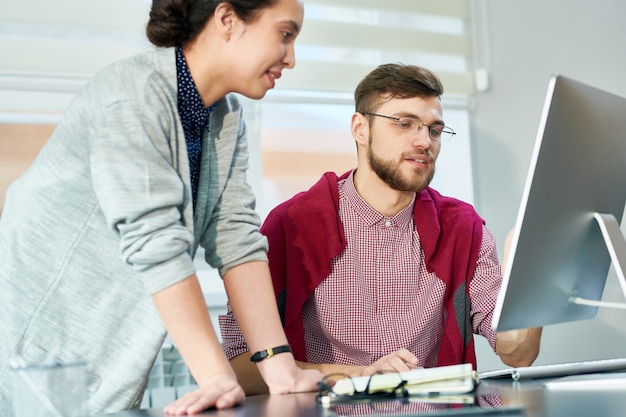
[391, 174]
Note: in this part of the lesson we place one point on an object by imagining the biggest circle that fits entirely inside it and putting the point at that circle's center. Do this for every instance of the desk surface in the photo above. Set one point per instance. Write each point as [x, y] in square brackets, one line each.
[528, 398]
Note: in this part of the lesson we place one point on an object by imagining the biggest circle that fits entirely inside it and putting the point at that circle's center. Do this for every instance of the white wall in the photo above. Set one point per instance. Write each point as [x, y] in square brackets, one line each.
[528, 41]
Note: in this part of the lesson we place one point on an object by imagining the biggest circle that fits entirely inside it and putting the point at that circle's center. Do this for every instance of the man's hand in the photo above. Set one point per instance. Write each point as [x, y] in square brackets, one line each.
[518, 348]
[398, 361]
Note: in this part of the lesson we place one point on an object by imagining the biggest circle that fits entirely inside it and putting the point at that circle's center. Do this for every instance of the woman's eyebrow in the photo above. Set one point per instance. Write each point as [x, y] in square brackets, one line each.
[294, 26]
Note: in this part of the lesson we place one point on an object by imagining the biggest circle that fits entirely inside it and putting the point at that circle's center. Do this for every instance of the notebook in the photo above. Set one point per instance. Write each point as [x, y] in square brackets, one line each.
[453, 379]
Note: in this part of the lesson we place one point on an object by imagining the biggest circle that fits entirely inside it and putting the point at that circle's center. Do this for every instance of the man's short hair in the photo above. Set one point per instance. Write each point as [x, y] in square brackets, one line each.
[395, 81]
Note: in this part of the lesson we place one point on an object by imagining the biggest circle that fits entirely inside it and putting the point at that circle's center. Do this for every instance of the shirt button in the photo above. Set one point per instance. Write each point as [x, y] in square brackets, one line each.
[388, 223]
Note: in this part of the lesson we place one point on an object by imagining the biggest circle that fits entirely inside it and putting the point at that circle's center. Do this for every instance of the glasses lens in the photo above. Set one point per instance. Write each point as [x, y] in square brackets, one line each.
[436, 132]
[385, 382]
[408, 123]
[339, 384]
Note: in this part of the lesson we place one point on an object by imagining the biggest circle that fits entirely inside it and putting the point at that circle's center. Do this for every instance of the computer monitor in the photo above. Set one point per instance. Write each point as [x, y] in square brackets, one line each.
[567, 230]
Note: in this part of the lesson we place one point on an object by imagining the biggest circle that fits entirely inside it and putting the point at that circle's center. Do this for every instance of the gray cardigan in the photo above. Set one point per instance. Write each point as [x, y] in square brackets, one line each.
[103, 218]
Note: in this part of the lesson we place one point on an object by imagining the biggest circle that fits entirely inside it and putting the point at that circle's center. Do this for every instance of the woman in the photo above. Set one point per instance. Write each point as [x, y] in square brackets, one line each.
[148, 162]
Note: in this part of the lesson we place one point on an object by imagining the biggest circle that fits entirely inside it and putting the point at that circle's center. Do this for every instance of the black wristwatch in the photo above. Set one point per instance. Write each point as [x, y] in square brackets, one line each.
[269, 352]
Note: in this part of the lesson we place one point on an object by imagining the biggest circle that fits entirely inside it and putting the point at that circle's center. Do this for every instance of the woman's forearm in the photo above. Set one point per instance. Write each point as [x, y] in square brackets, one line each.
[250, 292]
[251, 295]
[183, 311]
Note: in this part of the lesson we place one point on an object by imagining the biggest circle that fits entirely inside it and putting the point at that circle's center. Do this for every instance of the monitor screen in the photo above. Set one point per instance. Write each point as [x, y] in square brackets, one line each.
[567, 230]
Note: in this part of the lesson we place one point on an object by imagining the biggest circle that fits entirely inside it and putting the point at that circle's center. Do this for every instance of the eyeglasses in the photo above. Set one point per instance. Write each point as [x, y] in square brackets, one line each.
[437, 133]
[338, 387]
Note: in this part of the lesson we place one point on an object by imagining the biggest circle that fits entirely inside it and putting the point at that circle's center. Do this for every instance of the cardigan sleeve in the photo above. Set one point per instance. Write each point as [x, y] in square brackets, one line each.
[135, 177]
[231, 228]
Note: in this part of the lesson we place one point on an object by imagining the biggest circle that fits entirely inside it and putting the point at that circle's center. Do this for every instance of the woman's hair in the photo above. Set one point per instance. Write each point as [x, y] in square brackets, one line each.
[395, 80]
[177, 22]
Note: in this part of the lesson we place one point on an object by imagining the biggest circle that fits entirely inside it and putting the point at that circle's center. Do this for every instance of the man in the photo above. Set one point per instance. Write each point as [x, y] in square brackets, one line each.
[375, 270]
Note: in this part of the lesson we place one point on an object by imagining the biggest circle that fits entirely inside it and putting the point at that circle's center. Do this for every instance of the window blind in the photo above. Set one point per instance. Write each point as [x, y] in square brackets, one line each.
[56, 45]
[342, 40]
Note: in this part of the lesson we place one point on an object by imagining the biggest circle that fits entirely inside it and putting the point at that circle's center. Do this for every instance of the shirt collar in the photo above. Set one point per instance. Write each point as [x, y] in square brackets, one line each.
[370, 216]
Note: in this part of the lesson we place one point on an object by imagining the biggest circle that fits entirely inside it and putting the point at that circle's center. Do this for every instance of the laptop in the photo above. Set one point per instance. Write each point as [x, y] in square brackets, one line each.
[557, 370]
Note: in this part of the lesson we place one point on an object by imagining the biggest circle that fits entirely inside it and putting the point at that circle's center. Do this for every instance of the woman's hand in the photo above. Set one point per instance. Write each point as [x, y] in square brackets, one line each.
[283, 376]
[398, 361]
[219, 390]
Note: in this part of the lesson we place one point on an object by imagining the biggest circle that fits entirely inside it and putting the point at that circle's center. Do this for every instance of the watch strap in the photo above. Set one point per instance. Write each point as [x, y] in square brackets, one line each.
[269, 352]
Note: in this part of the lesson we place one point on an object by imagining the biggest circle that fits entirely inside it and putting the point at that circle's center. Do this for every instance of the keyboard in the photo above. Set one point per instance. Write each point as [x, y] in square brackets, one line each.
[557, 369]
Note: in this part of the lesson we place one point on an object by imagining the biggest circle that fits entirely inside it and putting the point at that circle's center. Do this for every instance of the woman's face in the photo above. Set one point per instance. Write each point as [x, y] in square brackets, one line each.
[265, 47]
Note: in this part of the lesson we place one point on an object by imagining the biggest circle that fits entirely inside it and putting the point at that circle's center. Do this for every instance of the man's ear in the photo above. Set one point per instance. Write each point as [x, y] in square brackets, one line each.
[360, 128]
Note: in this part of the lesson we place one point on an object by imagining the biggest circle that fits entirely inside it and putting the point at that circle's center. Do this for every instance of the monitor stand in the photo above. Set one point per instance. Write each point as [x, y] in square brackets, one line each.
[616, 245]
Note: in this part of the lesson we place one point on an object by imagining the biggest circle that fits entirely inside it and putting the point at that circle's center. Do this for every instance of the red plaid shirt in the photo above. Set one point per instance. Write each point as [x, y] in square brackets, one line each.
[379, 297]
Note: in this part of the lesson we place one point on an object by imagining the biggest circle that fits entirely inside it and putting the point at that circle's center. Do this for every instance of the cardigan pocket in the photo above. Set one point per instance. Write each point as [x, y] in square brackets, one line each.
[37, 355]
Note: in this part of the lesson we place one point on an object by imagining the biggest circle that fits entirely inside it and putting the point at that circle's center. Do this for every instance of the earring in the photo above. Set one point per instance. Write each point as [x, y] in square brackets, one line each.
[227, 38]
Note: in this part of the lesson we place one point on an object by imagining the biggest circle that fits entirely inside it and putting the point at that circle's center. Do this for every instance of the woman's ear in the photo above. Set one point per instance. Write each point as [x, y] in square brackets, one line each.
[225, 19]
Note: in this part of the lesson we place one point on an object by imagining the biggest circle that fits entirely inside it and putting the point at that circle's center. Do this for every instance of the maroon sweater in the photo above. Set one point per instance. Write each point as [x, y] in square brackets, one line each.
[305, 234]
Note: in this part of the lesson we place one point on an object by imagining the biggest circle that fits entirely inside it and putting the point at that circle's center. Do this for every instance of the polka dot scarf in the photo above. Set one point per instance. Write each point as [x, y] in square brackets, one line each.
[194, 117]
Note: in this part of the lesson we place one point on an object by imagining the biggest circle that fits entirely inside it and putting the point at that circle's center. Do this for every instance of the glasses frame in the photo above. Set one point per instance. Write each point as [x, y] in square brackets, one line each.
[326, 396]
[446, 129]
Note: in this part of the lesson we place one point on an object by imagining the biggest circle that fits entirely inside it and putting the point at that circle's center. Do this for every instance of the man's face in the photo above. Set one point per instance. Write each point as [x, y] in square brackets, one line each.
[404, 158]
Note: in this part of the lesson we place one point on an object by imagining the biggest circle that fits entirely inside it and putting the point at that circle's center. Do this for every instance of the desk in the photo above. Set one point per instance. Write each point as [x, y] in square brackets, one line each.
[528, 398]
